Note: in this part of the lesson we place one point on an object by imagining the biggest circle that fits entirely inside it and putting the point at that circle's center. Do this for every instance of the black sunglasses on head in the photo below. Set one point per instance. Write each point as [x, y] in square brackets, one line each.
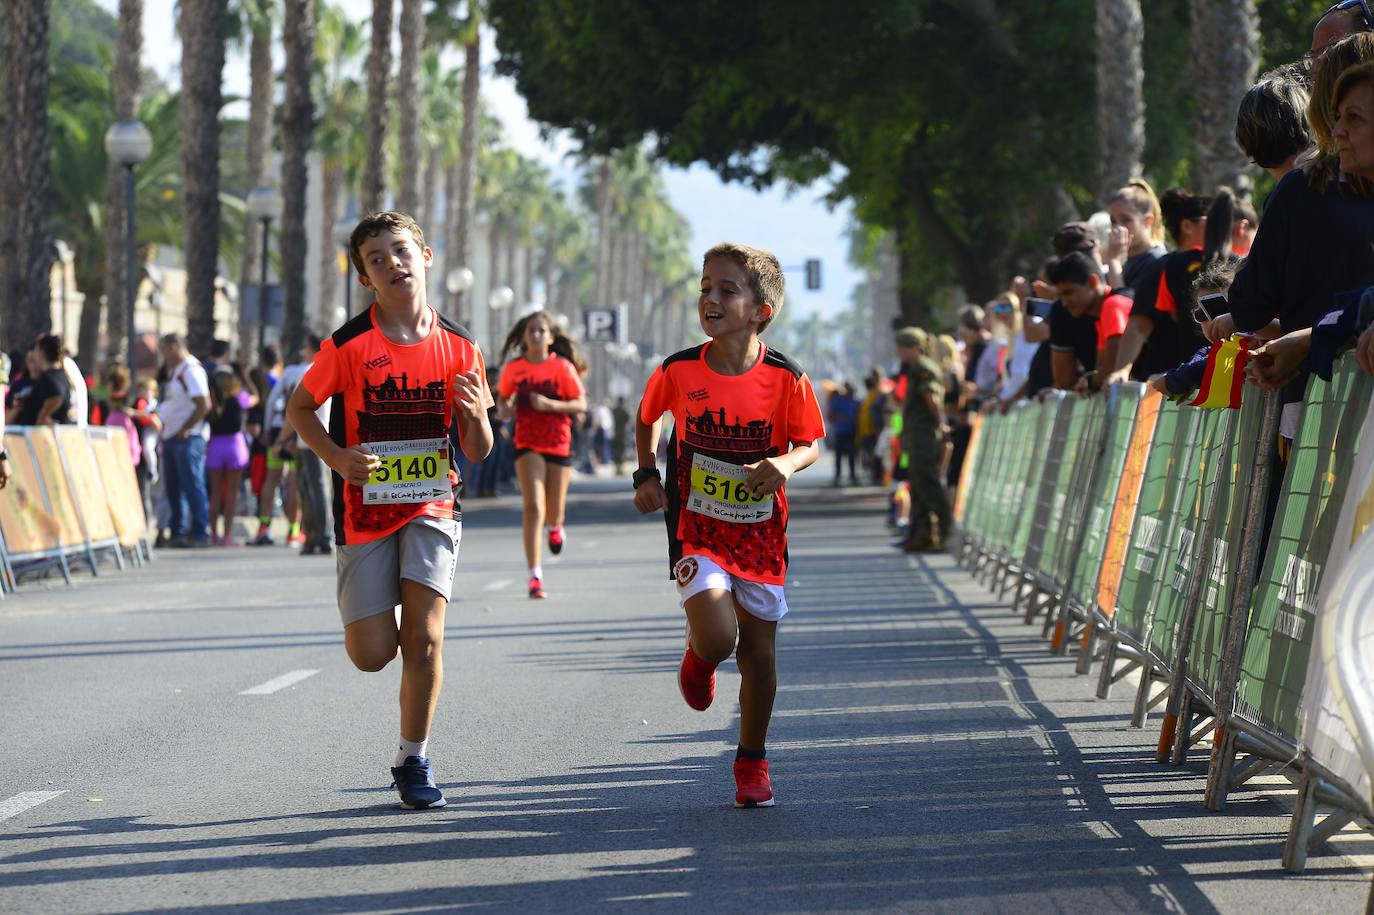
[1362, 5]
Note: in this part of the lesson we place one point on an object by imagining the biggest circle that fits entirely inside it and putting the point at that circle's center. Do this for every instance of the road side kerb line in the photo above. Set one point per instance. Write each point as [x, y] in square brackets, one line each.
[498, 584]
[290, 678]
[13, 806]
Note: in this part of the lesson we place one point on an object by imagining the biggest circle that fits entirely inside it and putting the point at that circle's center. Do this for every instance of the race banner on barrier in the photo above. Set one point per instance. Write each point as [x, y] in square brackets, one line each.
[92, 503]
[28, 528]
[1338, 699]
[1278, 643]
[1127, 497]
[1122, 404]
[49, 462]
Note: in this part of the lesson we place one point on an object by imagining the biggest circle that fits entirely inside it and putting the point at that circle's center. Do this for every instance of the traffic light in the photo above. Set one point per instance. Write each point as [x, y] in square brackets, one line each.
[813, 273]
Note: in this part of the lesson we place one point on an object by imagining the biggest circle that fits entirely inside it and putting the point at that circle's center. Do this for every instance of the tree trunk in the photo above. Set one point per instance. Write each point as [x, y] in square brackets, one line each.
[512, 276]
[373, 194]
[466, 176]
[28, 301]
[493, 282]
[407, 103]
[202, 28]
[527, 273]
[298, 119]
[1225, 58]
[261, 82]
[550, 246]
[427, 209]
[1120, 32]
[128, 53]
[453, 258]
[331, 195]
[601, 294]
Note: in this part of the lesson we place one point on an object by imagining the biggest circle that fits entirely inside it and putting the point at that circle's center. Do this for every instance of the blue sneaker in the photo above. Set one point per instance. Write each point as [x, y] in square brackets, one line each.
[415, 780]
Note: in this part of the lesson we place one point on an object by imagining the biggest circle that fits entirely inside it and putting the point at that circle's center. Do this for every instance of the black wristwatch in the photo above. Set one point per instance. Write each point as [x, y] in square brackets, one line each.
[644, 475]
[4, 455]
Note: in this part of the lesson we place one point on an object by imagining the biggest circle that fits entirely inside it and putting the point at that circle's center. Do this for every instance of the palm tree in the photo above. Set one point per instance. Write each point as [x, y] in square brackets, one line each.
[27, 294]
[1225, 58]
[408, 101]
[1120, 32]
[128, 54]
[257, 19]
[447, 25]
[298, 126]
[378, 78]
[338, 49]
[201, 26]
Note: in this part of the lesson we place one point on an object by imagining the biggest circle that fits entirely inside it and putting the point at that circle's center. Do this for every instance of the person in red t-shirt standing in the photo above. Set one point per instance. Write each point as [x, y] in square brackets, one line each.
[396, 376]
[745, 419]
[542, 387]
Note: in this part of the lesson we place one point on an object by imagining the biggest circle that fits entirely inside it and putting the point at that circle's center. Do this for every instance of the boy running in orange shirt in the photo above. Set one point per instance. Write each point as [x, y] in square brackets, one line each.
[396, 376]
[745, 419]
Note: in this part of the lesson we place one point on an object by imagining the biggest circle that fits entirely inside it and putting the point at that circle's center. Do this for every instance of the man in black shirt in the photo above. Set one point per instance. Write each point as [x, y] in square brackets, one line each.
[49, 400]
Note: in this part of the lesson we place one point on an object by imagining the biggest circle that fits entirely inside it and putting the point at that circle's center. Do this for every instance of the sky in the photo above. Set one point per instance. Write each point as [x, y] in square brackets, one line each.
[794, 227]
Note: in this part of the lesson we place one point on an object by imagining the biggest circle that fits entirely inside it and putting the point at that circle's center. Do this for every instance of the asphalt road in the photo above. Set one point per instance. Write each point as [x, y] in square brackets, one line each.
[928, 754]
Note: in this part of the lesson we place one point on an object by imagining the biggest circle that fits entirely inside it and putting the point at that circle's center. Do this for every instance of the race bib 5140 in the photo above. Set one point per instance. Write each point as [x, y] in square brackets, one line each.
[411, 471]
[718, 491]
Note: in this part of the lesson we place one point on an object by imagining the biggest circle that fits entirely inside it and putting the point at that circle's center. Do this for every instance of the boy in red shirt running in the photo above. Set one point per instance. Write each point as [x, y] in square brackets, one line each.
[396, 376]
[745, 419]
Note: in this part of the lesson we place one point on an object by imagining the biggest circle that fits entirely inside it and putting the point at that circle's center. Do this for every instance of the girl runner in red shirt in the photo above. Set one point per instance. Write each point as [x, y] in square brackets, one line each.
[541, 386]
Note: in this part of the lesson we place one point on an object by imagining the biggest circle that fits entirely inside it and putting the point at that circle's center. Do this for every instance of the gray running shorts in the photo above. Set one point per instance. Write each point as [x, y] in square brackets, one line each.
[424, 550]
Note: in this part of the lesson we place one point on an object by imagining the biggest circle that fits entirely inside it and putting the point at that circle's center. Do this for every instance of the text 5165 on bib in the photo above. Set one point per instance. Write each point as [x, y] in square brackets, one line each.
[718, 491]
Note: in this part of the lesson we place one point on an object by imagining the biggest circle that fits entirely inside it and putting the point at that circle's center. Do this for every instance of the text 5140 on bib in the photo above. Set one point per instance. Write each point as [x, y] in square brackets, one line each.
[718, 491]
[411, 471]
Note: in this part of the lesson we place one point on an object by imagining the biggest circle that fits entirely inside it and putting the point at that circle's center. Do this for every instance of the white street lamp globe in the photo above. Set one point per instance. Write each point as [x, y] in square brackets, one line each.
[264, 203]
[459, 280]
[128, 142]
[501, 297]
[342, 232]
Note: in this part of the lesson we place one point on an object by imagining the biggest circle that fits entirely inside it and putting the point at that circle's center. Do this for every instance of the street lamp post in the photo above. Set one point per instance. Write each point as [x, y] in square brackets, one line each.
[342, 232]
[264, 205]
[500, 297]
[129, 143]
[64, 259]
[458, 282]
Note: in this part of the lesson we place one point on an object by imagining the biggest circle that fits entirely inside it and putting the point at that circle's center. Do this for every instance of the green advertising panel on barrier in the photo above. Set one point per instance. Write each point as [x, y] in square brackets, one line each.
[1279, 638]
[1208, 448]
[1148, 553]
[1043, 418]
[975, 483]
[1085, 443]
[1041, 498]
[1001, 483]
[1209, 627]
[1056, 520]
[1122, 401]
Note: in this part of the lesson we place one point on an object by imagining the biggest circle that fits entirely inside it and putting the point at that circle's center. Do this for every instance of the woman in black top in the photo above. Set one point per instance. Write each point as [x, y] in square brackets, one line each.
[49, 400]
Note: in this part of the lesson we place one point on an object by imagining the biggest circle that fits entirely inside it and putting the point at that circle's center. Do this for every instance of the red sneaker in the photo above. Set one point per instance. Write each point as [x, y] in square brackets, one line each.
[696, 680]
[752, 785]
[537, 589]
[556, 540]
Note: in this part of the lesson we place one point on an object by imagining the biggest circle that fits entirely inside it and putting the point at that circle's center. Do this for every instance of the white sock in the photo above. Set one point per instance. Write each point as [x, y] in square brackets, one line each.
[410, 748]
[537, 572]
[553, 527]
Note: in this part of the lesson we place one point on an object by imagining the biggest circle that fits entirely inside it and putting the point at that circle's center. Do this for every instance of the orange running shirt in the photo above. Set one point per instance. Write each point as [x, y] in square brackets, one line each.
[555, 378]
[722, 422]
[398, 398]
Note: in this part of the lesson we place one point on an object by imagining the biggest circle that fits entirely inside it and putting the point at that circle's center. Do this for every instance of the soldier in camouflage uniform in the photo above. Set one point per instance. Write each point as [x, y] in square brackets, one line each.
[923, 423]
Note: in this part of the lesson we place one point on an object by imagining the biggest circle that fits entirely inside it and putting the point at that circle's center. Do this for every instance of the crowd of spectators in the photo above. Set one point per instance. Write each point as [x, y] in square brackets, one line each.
[1111, 302]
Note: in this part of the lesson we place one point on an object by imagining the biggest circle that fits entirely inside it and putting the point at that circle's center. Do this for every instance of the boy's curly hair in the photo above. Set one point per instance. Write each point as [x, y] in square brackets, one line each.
[761, 267]
[372, 226]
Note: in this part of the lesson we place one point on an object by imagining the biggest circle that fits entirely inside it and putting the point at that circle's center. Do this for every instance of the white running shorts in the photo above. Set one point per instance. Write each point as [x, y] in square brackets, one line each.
[696, 573]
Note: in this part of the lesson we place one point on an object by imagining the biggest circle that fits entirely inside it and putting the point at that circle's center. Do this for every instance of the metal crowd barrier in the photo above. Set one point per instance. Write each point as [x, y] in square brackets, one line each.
[72, 500]
[1138, 527]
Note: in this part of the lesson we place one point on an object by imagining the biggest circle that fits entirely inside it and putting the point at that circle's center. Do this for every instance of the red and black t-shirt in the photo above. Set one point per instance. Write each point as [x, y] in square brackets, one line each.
[555, 378]
[1164, 299]
[400, 399]
[722, 422]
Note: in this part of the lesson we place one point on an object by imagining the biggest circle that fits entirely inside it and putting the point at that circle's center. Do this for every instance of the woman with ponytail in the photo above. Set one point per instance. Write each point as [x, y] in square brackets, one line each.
[1158, 331]
[1136, 242]
[541, 385]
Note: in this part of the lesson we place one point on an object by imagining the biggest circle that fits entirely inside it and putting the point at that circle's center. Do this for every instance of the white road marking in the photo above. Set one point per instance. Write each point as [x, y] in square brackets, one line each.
[591, 545]
[20, 802]
[498, 584]
[289, 678]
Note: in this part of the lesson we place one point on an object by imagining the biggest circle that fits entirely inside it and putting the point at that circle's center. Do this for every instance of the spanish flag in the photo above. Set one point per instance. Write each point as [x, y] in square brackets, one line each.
[1225, 374]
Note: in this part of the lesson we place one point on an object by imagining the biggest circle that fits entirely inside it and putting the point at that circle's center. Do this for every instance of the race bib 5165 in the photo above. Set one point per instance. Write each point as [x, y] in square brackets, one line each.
[718, 491]
[411, 471]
